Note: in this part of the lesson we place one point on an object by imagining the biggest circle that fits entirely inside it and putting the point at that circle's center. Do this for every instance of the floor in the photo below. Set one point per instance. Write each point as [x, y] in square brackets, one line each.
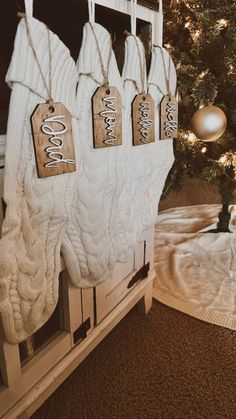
[166, 365]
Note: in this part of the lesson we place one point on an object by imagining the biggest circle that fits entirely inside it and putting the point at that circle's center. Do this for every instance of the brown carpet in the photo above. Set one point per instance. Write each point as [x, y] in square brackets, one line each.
[166, 365]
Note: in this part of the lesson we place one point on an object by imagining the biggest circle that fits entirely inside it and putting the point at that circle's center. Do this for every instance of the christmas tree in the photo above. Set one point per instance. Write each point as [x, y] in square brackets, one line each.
[201, 37]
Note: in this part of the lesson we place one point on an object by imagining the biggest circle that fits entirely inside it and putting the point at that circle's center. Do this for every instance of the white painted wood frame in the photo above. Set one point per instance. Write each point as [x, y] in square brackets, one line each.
[26, 387]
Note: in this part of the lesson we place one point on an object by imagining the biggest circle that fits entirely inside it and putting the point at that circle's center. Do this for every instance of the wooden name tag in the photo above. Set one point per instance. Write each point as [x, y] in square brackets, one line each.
[107, 117]
[143, 119]
[53, 141]
[169, 118]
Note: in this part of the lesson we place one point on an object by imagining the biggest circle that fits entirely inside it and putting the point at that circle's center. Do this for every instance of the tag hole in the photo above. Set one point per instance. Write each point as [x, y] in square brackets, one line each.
[143, 98]
[51, 109]
[108, 91]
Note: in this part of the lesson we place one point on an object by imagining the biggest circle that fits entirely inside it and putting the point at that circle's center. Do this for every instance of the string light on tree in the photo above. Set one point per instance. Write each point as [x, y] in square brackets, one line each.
[191, 138]
[202, 35]
[209, 123]
[227, 159]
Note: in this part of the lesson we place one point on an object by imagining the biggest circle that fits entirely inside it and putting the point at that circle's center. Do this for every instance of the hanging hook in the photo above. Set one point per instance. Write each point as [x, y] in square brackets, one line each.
[91, 10]
[29, 8]
[161, 6]
[160, 24]
[133, 13]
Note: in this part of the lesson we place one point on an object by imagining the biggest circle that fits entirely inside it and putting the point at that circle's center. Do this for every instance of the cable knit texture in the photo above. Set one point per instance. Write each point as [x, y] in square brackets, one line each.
[161, 157]
[37, 209]
[92, 239]
[142, 161]
[136, 157]
[196, 270]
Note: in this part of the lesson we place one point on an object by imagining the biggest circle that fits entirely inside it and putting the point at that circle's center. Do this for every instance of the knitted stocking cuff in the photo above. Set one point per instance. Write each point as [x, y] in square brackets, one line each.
[37, 209]
[89, 248]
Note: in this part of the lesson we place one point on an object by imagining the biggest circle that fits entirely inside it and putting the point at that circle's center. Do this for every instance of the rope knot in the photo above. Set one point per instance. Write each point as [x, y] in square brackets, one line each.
[127, 33]
[50, 104]
[21, 15]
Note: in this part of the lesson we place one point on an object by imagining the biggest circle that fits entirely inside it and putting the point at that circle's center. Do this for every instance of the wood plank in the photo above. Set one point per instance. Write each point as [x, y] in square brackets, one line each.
[1, 195]
[149, 257]
[145, 12]
[139, 256]
[33, 371]
[109, 293]
[10, 363]
[110, 300]
[151, 4]
[120, 272]
[51, 381]
[145, 304]
[88, 306]
[123, 6]
[72, 306]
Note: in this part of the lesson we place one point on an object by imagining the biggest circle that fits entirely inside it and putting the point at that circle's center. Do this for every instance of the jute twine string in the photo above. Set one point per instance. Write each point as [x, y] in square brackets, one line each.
[48, 86]
[142, 67]
[167, 76]
[105, 72]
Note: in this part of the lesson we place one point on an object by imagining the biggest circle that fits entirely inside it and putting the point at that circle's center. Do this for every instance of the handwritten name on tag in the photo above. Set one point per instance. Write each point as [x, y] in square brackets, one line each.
[53, 141]
[169, 117]
[143, 119]
[107, 117]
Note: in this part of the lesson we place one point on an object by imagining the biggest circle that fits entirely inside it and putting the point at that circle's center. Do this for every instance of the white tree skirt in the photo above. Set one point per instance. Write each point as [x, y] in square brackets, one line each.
[196, 271]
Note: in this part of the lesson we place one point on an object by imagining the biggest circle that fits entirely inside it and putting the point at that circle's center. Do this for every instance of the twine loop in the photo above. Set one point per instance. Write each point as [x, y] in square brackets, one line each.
[48, 86]
[105, 71]
[142, 67]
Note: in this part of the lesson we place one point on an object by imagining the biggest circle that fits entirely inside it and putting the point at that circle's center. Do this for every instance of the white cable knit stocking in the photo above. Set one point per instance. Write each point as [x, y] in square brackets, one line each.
[149, 164]
[92, 238]
[37, 209]
[161, 157]
[139, 170]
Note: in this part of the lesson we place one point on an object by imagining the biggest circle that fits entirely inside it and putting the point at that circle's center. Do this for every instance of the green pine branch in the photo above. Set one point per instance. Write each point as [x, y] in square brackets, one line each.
[201, 36]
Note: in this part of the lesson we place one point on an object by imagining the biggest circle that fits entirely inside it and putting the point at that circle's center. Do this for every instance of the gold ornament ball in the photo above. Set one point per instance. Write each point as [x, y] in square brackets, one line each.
[209, 123]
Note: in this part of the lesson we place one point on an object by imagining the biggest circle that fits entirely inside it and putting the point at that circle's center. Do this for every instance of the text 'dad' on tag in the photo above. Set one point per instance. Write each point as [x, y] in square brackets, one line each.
[53, 139]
